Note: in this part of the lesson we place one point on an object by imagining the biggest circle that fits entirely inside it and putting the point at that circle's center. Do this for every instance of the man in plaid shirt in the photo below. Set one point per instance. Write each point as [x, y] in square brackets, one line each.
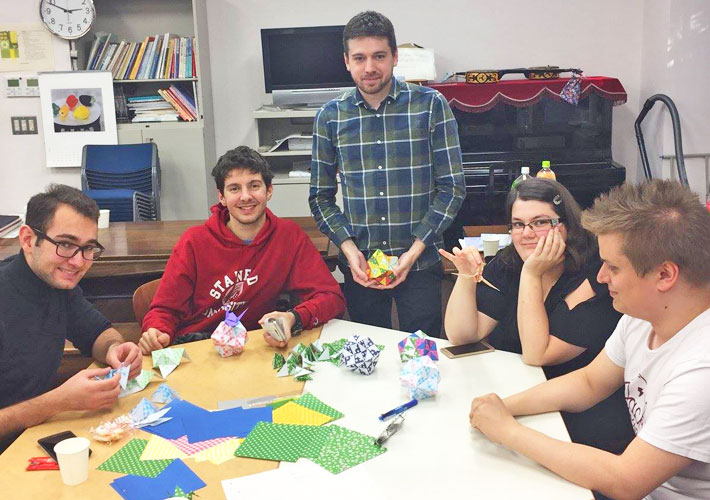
[396, 149]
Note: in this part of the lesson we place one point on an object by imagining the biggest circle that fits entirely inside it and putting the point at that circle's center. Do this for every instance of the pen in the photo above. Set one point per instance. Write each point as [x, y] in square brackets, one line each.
[399, 409]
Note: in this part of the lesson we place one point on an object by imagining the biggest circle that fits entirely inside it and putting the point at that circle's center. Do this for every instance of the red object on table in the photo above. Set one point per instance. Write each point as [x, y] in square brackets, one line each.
[480, 97]
[42, 463]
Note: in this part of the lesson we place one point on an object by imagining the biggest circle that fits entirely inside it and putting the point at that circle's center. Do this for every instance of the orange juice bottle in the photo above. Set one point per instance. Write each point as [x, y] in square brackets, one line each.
[546, 172]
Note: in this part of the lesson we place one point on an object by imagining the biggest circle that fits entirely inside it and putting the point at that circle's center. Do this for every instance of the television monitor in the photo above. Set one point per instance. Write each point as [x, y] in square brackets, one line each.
[304, 66]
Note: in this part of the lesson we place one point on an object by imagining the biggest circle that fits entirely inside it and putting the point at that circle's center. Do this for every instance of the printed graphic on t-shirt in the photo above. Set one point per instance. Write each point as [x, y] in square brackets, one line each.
[635, 393]
[229, 289]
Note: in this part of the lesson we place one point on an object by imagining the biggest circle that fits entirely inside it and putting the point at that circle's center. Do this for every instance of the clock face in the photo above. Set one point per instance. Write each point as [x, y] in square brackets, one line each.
[67, 18]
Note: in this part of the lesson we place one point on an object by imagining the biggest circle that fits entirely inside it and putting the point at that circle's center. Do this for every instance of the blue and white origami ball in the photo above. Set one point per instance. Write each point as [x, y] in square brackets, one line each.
[360, 354]
[421, 377]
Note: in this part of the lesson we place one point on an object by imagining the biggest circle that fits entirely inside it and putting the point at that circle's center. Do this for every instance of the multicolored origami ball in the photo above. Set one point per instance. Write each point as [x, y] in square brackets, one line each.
[417, 345]
[230, 335]
[380, 266]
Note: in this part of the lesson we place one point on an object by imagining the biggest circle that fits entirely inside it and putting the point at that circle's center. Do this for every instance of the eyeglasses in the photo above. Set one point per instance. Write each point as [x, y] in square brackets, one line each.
[69, 250]
[537, 225]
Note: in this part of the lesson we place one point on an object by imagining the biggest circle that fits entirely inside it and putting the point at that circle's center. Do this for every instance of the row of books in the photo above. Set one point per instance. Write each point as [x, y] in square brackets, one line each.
[158, 56]
[170, 104]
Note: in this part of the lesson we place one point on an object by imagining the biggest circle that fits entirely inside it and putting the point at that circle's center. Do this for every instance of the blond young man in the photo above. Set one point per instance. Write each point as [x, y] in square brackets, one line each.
[654, 241]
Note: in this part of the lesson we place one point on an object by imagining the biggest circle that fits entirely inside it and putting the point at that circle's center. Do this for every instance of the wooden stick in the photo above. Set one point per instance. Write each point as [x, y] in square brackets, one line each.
[480, 279]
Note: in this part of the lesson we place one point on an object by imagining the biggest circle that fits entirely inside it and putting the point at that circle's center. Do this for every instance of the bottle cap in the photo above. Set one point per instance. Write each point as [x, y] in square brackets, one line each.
[546, 164]
[524, 170]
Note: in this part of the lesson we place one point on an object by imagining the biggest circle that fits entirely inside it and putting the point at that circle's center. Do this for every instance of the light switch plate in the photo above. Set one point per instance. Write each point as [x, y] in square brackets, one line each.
[24, 125]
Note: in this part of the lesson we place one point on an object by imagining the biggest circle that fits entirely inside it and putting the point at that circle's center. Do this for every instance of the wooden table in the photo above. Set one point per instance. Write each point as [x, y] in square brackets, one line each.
[204, 381]
[436, 438]
[140, 248]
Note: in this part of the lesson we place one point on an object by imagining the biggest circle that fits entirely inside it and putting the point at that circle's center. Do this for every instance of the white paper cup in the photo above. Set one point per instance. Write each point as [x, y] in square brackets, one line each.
[490, 245]
[73, 459]
[104, 215]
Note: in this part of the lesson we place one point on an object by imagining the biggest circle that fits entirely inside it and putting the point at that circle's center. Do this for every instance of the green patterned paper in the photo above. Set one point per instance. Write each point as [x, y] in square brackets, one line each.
[127, 460]
[276, 441]
[345, 448]
[310, 401]
[278, 361]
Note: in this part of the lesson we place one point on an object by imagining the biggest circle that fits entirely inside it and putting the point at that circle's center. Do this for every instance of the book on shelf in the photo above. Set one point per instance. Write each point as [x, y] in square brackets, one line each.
[179, 108]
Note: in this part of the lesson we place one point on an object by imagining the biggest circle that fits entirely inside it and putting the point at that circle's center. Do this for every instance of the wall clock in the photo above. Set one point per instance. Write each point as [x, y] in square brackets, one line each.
[69, 19]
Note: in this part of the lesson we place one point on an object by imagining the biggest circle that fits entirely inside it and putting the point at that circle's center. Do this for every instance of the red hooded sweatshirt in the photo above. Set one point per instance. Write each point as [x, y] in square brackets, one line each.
[211, 270]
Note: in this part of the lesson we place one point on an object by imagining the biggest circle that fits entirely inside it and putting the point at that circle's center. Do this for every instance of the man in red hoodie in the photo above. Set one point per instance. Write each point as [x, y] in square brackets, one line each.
[241, 260]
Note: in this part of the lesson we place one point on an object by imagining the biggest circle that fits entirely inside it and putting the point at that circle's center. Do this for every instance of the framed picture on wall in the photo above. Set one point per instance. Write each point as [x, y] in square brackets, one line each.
[77, 109]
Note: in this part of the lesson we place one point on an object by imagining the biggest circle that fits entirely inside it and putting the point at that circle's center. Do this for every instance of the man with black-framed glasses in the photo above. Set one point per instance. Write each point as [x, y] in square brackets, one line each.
[41, 306]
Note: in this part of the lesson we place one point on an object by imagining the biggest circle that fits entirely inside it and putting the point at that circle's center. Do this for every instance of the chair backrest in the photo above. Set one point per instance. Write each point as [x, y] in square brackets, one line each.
[127, 166]
[142, 298]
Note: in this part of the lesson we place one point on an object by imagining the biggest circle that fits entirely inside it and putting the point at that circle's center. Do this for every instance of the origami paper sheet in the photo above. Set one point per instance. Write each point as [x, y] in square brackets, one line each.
[219, 453]
[421, 377]
[137, 384]
[191, 449]
[293, 413]
[276, 441]
[163, 394]
[345, 448]
[416, 345]
[127, 460]
[166, 360]
[159, 448]
[310, 401]
[235, 422]
[360, 354]
[161, 487]
[380, 266]
[230, 335]
[174, 429]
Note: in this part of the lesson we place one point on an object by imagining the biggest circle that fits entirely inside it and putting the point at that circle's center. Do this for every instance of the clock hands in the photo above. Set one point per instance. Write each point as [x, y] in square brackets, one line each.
[60, 8]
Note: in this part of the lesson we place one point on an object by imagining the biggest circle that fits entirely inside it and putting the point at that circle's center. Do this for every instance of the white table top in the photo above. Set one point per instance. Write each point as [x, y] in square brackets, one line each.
[437, 451]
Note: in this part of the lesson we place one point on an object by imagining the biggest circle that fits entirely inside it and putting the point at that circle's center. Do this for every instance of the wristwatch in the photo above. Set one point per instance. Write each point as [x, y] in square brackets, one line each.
[297, 327]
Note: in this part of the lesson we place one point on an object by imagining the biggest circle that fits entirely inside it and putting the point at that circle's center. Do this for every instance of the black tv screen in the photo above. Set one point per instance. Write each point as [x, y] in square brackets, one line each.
[304, 58]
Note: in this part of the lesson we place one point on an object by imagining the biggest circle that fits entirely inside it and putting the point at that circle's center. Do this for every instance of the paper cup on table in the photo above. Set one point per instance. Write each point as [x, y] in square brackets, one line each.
[73, 459]
[104, 215]
[490, 245]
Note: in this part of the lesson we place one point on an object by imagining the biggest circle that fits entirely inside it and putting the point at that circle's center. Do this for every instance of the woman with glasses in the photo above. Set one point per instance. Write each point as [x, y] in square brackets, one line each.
[547, 304]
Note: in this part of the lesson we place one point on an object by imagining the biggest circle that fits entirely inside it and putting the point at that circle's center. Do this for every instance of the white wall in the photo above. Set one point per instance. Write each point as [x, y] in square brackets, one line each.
[601, 37]
[23, 170]
[651, 46]
[676, 62]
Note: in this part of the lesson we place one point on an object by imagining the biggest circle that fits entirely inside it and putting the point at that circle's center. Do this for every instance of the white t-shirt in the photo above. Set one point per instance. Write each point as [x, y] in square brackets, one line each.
[668, 393]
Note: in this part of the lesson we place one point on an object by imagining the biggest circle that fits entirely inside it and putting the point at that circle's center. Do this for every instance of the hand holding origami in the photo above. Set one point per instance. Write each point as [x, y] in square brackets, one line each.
[380, 267]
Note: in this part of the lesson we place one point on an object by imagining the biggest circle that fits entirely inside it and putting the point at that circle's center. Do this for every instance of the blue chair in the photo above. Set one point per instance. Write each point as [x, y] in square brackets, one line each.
[124, 179]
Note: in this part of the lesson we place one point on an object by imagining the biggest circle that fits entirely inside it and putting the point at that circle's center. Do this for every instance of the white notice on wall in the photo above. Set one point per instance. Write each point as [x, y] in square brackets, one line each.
[415, 64]
[26, 48]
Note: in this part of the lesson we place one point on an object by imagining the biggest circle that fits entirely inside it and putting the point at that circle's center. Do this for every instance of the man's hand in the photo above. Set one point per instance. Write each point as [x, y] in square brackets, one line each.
[404, 264]
[83, 392]
[357, 263]
[490, 416]
[288, 320]
[549, 252]
[126, 353]
[153, 340]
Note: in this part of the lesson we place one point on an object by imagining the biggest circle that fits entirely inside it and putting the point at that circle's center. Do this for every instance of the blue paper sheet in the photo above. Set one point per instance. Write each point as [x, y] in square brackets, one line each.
[235, 422]
[161, 487]
[179, 409]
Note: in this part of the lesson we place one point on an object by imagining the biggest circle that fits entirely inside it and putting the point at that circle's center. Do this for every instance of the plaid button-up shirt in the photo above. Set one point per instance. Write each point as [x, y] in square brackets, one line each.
[399, 167]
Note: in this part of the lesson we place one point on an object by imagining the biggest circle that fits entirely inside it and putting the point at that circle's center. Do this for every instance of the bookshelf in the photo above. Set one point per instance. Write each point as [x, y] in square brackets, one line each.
[186, 148]
[290, 193]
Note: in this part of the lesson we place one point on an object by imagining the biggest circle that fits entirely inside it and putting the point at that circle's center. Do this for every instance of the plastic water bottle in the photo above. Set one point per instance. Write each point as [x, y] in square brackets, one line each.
[524, 175]
[546, 172]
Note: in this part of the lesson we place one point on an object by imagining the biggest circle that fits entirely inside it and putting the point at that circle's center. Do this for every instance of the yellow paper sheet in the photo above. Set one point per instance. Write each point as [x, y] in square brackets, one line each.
[293, 413]
[219, 453]
[159, 448]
